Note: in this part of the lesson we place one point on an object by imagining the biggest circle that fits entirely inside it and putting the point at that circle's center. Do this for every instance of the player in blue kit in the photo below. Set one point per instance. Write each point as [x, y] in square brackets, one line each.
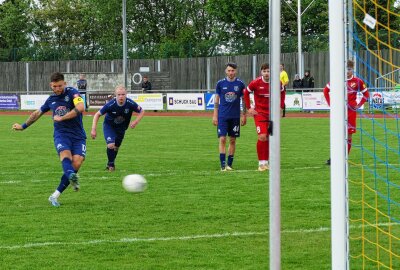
[118, 113]
[226, 116]
[69, 136]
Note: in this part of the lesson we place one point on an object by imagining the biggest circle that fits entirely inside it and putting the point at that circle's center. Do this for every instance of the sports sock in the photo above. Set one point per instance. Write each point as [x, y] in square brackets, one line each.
[262, 150]
[67, 167]
[230, 160]
[266, 149]
[222, 157]
[111, 154]
[56, 194]
[64, 183]
[349, 142]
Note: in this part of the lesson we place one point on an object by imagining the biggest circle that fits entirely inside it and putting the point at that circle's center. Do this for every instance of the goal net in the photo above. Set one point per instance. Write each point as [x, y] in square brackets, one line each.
[374, 162]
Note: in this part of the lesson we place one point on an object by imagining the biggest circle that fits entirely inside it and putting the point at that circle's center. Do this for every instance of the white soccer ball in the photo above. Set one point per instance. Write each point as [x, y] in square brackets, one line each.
[134, 183]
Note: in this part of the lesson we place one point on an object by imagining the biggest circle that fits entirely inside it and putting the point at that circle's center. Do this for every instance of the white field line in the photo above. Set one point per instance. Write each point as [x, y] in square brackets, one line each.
[175, 238]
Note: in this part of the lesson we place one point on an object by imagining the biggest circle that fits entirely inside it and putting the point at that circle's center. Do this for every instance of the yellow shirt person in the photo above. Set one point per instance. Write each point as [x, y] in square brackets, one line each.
[284, 78]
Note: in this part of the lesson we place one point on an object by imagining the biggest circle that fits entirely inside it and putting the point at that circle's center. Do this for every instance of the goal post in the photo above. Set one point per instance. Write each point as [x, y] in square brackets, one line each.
[338, 133]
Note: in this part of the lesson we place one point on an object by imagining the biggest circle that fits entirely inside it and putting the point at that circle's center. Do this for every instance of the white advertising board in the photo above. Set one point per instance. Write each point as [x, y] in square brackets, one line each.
[32, 102]
[293, 101]
[185, 102]
[148, 101]
[385, 98]
[314, 101]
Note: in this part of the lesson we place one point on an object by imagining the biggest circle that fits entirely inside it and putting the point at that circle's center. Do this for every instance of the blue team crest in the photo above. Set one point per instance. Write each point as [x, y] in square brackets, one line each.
[66, 98]
[236, 88]
[126, 111]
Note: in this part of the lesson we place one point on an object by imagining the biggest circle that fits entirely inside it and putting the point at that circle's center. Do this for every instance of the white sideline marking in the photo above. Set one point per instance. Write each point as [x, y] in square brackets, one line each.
[133, 240]
[177, 238]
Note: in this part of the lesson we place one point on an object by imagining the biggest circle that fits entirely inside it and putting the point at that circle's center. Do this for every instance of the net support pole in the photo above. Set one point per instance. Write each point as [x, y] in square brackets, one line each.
[338, 134]
[27, 77]
[275, 140]
[299, 45]
[124, 45]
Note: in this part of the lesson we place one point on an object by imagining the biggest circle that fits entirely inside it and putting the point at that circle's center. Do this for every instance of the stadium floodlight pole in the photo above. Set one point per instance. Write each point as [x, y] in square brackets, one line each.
[275, 139]
[299, 45]
[338, 133]
[124, 45]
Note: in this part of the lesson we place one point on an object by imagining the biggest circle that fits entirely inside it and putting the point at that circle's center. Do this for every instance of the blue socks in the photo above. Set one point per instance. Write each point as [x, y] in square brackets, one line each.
[222, 158]
[230, 160]
[64, 183]
[111, 154]
[67, 167]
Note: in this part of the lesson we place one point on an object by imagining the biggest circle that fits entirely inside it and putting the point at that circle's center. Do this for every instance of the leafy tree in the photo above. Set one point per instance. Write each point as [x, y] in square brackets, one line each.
[15, 26]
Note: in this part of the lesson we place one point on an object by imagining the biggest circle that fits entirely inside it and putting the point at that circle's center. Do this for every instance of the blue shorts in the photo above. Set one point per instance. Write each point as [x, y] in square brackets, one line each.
[229, 126]
[77, 147]
[112, 135]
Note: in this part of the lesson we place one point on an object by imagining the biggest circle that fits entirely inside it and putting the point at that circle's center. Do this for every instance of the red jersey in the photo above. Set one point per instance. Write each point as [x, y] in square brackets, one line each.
[260, 88]
[354, 85]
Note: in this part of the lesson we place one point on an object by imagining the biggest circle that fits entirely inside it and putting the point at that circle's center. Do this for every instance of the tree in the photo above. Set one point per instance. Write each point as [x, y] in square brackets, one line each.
[15, 26]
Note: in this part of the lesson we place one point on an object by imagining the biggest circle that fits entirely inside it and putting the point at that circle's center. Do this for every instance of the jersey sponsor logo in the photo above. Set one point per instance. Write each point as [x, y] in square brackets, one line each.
[230, 97]
[61, 110]
[119, 120]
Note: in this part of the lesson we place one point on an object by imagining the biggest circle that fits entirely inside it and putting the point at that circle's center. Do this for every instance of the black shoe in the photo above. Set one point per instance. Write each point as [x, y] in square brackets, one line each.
[328, 162]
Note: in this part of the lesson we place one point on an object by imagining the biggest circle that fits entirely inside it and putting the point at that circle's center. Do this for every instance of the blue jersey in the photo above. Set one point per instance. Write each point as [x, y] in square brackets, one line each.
[229, 98]
[119, 116]
[61, 105]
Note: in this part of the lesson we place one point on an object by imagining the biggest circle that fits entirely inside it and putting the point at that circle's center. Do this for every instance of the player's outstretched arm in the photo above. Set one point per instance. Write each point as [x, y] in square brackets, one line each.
[32, 119]
[137, 120]
[93, 132]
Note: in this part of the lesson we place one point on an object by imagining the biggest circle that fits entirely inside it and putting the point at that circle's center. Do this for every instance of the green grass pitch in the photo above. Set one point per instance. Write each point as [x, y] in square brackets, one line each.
[192, 216]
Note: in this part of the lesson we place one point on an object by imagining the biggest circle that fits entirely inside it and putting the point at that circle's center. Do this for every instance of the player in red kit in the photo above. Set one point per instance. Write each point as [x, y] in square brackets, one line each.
[354, 85]
[260, 88]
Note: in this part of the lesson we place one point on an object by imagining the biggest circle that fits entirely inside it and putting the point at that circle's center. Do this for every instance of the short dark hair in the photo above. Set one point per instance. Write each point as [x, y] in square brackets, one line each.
[350, 64]
[232, 65]
[264, 66]
[56, 77]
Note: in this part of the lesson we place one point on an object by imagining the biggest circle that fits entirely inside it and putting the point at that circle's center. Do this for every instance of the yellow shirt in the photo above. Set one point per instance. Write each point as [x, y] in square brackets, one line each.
[284, 78]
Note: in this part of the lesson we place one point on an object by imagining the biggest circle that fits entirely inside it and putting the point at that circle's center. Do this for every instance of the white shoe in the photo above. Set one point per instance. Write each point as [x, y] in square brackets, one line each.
[263, 167]
[54, 201]
[228, 168]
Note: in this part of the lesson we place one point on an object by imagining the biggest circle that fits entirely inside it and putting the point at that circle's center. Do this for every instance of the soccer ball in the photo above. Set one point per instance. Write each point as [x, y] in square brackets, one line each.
[134, 183]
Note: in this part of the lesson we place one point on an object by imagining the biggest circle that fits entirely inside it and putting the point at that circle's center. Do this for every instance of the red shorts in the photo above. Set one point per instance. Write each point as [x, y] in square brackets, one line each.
[352, 121]
[262, 123]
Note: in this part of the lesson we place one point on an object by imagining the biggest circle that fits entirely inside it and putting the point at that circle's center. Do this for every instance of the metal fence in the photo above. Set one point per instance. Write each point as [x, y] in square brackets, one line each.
[177, 73]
